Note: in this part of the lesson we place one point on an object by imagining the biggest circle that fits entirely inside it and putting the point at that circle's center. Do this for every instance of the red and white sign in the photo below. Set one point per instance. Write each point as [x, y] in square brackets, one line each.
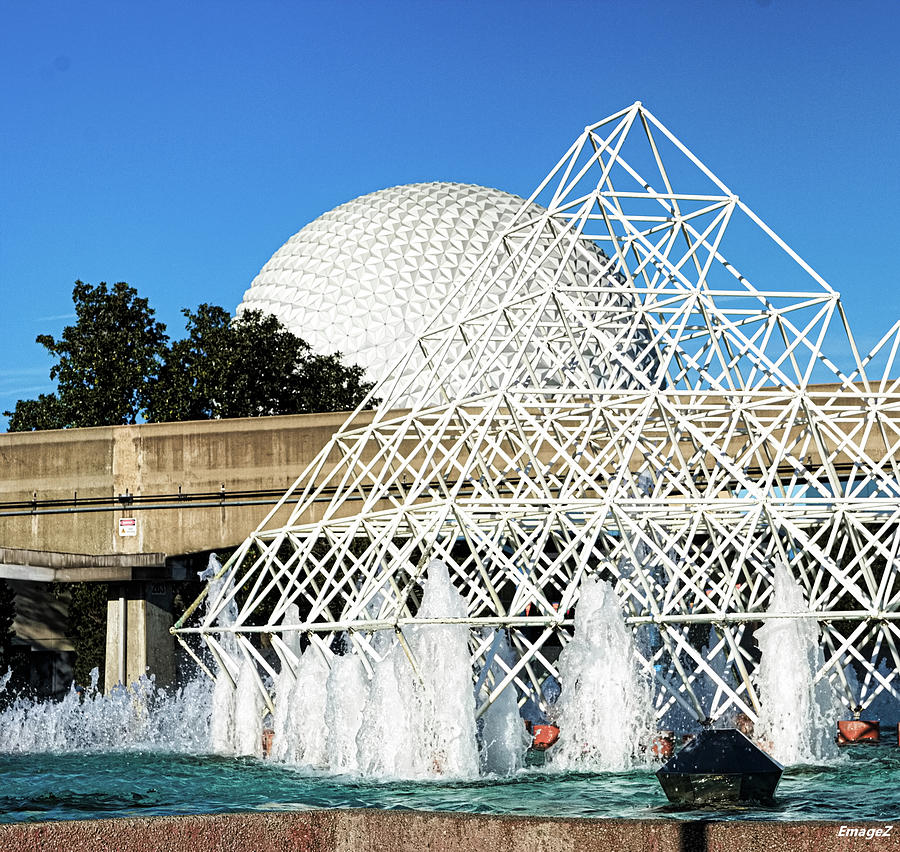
[127, 526]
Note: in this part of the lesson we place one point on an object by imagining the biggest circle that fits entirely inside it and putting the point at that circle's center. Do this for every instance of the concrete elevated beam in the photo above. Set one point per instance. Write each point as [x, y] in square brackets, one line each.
[55, 567]
[182, 488]
[139, 608]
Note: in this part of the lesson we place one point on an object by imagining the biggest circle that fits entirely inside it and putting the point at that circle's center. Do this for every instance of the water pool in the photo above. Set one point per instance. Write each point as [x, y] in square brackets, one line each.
[863, 785]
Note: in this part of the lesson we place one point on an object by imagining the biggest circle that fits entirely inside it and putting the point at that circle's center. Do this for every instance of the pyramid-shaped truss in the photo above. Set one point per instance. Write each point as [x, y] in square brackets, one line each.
[643, 384]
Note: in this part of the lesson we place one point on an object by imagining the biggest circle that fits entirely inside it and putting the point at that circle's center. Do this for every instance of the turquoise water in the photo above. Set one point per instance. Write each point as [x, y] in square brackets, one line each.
[864, 785]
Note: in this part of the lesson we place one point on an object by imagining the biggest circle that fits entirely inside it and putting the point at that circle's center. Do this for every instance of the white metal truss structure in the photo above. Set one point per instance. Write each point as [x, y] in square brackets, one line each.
[653, 396]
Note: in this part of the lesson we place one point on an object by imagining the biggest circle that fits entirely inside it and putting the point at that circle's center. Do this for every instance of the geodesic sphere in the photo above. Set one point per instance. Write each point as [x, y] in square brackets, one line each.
[365, 278]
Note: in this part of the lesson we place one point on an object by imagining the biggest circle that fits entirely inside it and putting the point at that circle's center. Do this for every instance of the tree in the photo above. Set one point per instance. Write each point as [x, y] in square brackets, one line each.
[86, 628]
[114, 365]
[327, 384]
[7, 634]
[246, 367]
[45, 412]
[105, 362]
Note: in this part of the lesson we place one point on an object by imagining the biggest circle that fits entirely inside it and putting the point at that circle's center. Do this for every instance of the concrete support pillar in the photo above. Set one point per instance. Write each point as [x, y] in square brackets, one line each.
[138, 618]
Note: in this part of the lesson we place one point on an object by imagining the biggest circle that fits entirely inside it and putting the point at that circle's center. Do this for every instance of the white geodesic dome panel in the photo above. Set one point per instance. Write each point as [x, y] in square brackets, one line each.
[365, 278]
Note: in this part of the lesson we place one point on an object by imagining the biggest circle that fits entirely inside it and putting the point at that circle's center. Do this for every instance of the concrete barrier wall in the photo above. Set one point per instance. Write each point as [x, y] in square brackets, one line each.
[151, 460]
[241, 456]
[406, 831]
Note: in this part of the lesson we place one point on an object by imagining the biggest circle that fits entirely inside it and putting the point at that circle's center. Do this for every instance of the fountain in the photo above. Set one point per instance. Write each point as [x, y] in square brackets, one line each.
[340, 728]
[346, 693]
[300, 707]
[411, 718]
[503, 736]
[248, 709]
[444, 714]
[605, 710]
[799, 714]
[236, 727]
[386, 740]
[408, 718]
[87, 721]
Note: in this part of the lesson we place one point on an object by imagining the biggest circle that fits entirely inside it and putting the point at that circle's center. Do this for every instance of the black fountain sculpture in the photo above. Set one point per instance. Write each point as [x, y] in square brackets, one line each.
[719, 767]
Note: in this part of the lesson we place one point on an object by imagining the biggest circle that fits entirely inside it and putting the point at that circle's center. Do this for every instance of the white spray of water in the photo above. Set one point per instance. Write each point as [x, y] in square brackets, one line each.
[223, 734]
[798, 716]
[135, 719]
[283, 718]
[248, 713]
[284, 683]
[303, 738]
[139, 717]
[504, 739]
[398, 723]
[387, 741]
[347, 691]
[444, 717]
[605, 714]
[237, 707]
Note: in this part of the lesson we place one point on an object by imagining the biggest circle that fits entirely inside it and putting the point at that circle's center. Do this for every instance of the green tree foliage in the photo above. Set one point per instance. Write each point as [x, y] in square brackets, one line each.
[45, 412]
[246, 367]
[7, 616]
[86, 629]
[114, 365]
[105, 362]
[327, 384]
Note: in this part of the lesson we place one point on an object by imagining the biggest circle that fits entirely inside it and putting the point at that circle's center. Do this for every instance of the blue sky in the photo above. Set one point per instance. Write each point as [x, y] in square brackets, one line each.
[176, 146]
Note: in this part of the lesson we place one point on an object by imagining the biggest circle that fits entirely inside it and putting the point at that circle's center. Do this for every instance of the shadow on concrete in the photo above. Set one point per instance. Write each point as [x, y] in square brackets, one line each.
[694, 836]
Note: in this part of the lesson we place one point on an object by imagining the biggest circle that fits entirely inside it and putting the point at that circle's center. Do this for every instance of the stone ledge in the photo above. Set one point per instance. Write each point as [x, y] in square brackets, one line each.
[413, 831]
